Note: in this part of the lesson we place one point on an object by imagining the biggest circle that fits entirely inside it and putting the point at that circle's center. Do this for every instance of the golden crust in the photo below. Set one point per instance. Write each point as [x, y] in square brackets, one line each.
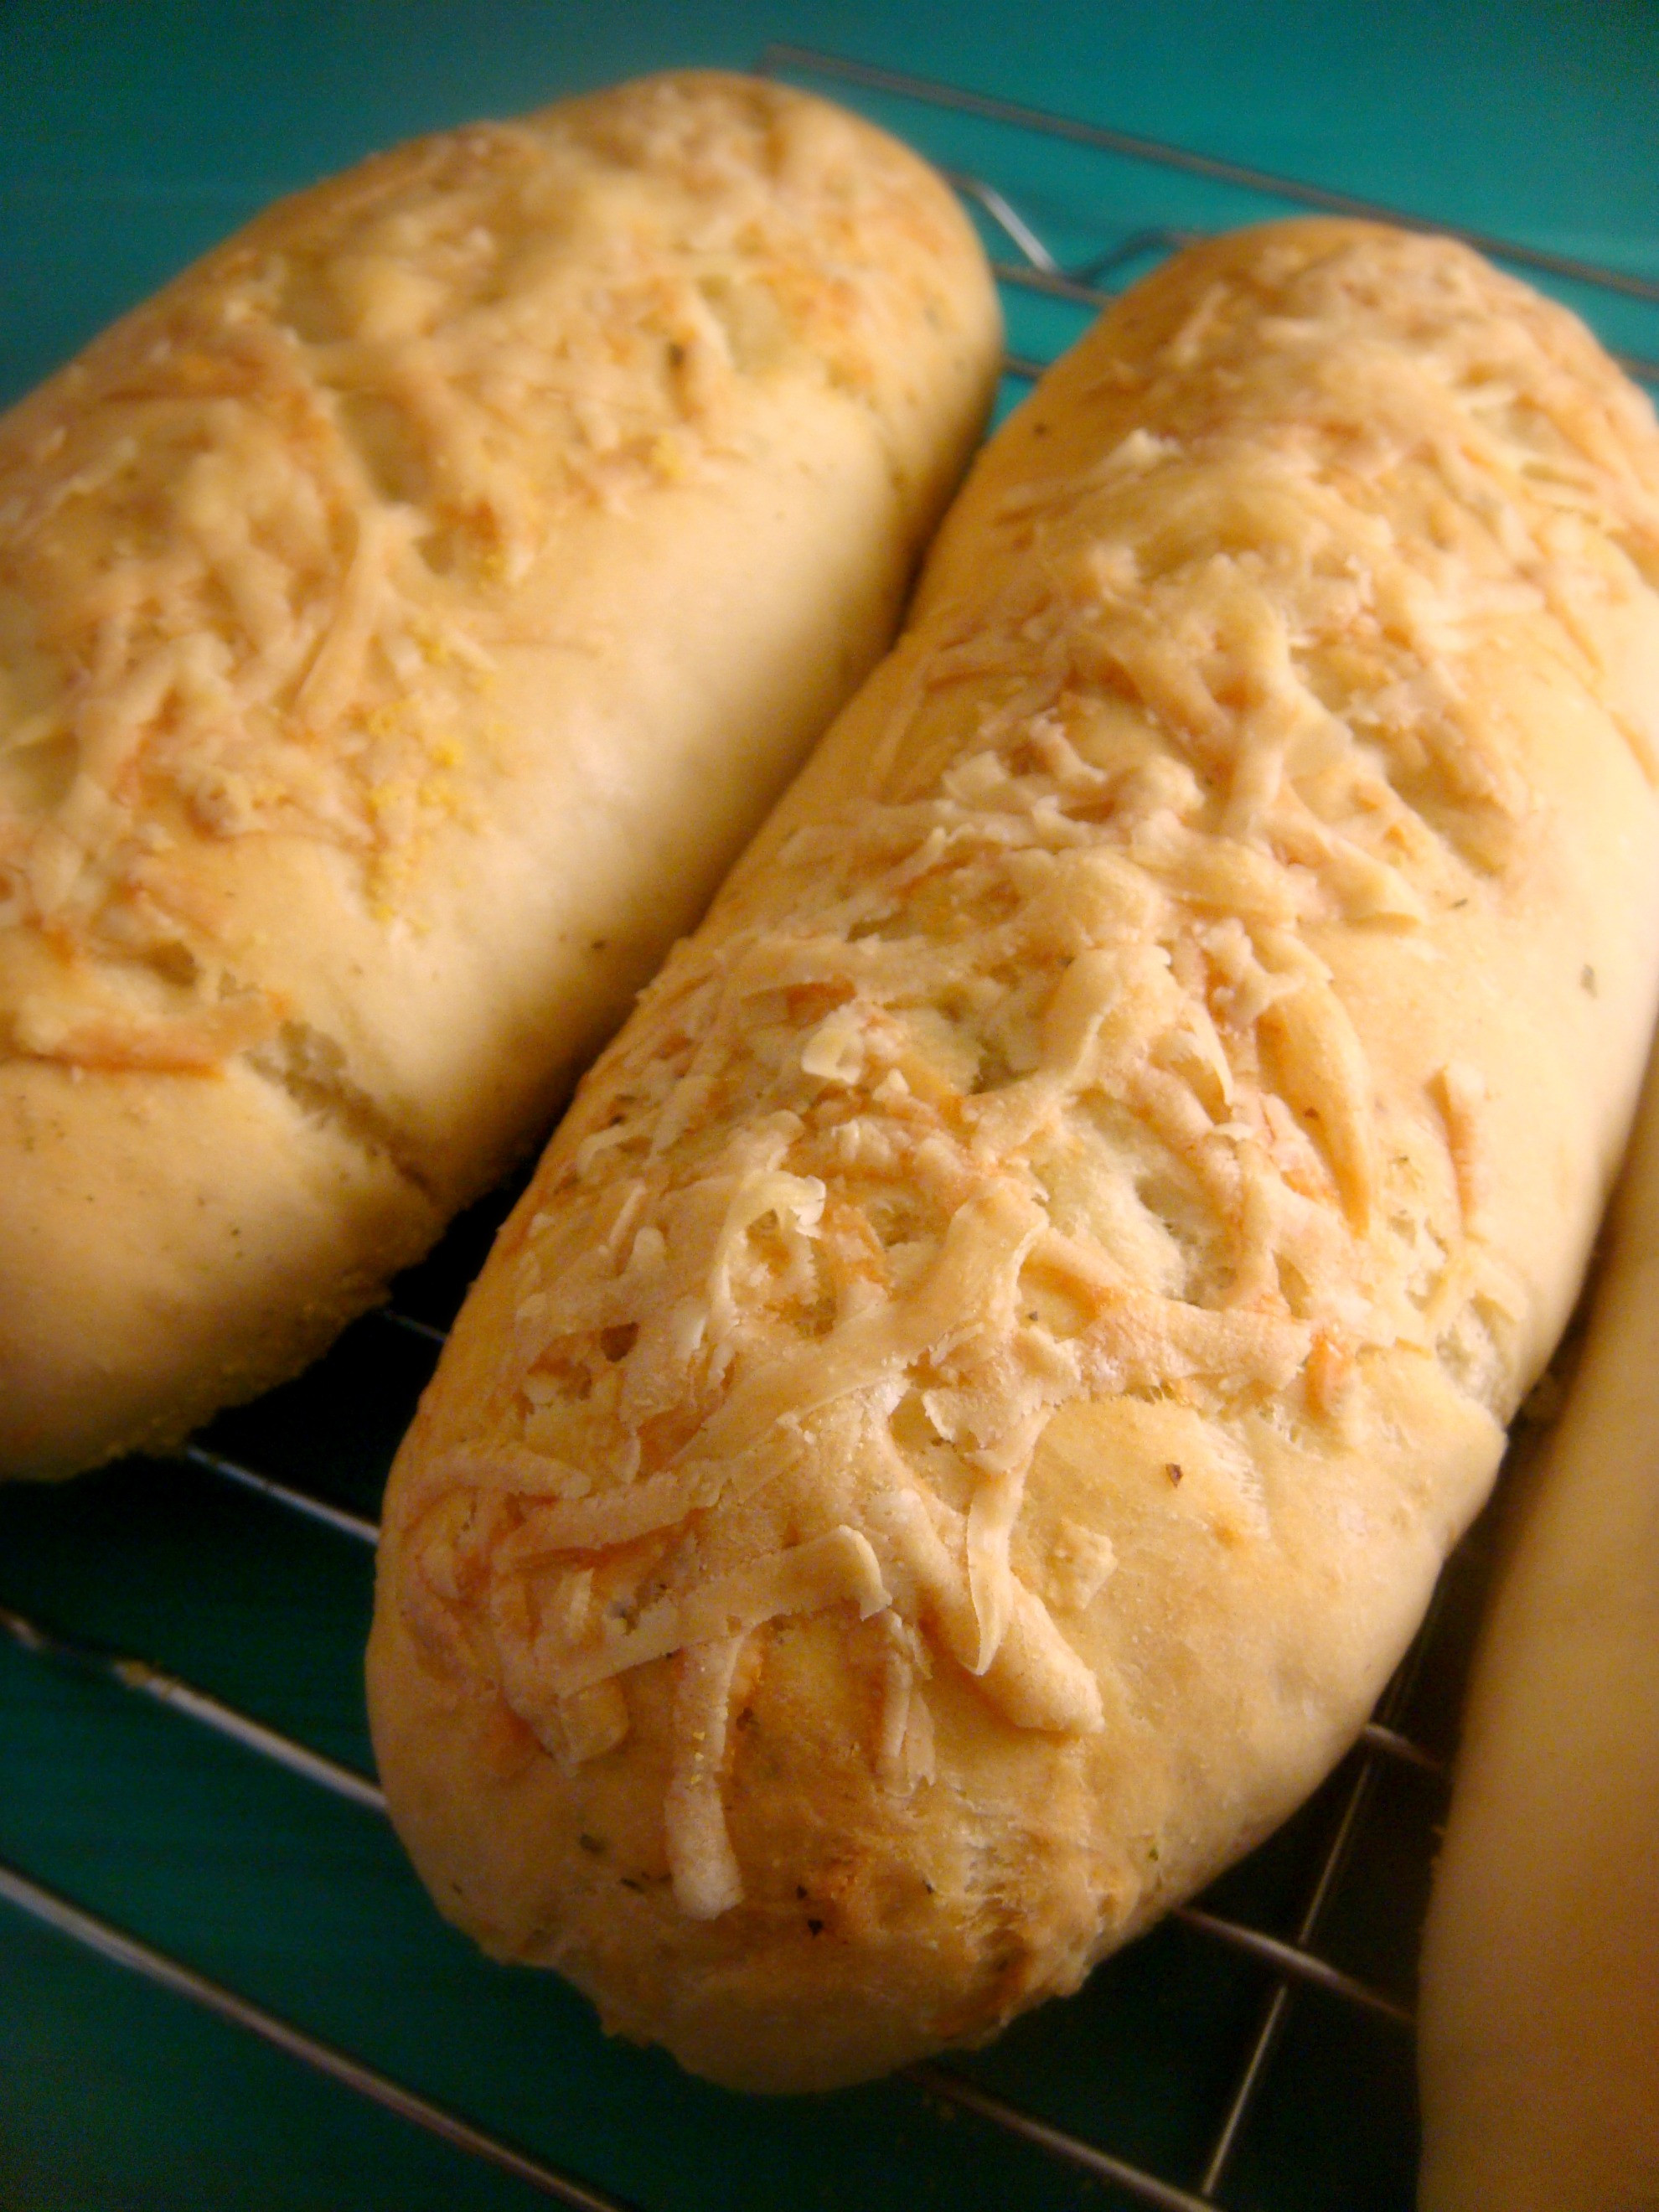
[404, 618]
[970, 1410]
[1538, 2034]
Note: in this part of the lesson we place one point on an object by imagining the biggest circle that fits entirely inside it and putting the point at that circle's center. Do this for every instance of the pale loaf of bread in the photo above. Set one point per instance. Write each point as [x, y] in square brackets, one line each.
[1539, 2019]
[404, 619]
[970, 1411]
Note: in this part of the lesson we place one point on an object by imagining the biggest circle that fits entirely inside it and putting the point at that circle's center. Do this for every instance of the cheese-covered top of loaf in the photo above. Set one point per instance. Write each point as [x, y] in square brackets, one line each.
[263, 546]
[1195, 991]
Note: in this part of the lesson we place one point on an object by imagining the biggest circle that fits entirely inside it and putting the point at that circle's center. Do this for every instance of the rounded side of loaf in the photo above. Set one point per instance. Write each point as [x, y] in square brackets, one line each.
[1538, 2024]
[405, 617]
[972, 1405]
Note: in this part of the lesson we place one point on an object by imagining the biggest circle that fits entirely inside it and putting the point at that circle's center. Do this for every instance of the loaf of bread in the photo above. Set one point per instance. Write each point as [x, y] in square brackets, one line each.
[971, 1408]
[1538, 2023]
[405, 618]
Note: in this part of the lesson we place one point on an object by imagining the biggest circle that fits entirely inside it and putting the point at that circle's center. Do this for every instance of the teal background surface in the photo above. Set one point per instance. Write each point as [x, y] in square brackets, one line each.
[131, 137]
[135, 134]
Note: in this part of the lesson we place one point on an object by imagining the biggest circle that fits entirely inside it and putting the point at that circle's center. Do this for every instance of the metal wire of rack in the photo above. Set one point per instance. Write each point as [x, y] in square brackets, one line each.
[1294, 1967]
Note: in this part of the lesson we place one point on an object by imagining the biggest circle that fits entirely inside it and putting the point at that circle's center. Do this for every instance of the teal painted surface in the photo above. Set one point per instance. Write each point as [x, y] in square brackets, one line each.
[135, 134]
[131, 137]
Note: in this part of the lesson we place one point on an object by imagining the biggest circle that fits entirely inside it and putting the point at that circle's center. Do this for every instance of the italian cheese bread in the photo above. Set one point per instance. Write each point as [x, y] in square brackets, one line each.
[971, 1408]
[1539, 2020]
[404, 619]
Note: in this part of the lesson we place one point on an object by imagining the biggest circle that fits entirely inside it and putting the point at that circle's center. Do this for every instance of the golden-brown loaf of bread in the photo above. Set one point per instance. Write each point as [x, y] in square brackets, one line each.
[404, 619]
[970, 1410]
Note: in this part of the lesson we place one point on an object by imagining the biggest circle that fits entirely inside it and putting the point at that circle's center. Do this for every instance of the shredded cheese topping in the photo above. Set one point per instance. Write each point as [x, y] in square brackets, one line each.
[235, 532]
[1020, 1078]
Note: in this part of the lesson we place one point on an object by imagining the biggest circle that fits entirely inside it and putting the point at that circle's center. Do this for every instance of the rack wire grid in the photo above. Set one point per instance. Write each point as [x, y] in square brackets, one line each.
[1255, 2053]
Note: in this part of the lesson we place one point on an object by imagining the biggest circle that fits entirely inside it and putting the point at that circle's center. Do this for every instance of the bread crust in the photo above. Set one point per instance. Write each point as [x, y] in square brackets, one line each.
[1538, 2034]
[405, 617]
[970, 1410]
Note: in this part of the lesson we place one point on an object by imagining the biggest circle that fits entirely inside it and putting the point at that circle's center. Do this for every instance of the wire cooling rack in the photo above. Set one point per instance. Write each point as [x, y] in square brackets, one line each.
[1255, 2053]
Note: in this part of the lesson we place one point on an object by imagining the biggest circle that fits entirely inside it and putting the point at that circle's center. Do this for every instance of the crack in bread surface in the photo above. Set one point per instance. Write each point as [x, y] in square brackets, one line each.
[309, 1068]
